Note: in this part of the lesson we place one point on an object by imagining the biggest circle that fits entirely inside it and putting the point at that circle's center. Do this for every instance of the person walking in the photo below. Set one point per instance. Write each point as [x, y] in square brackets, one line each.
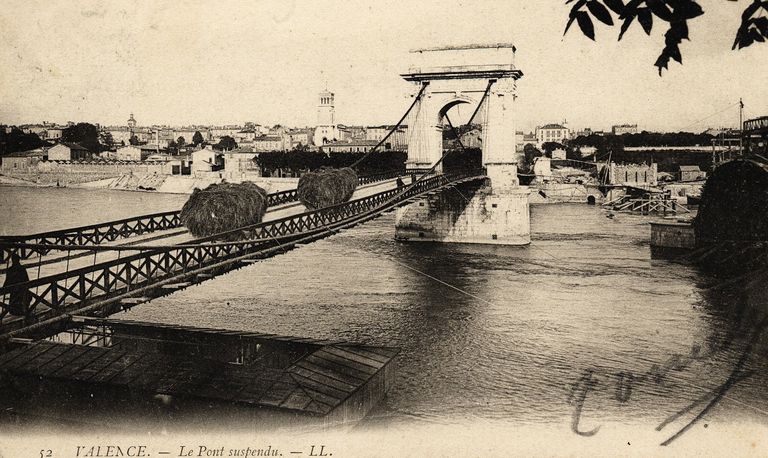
[20, 297]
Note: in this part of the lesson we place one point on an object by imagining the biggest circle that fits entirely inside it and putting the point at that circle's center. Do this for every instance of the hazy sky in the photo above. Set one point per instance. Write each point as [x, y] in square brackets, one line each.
[179, 62]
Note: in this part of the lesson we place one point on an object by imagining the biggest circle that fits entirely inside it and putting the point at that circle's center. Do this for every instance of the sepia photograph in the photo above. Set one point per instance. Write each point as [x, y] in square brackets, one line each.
[327, 228]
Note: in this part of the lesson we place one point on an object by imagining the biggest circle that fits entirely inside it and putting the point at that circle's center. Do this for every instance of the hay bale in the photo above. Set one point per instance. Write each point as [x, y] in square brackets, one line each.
[223, 207]
[327, 187]
[734, 204]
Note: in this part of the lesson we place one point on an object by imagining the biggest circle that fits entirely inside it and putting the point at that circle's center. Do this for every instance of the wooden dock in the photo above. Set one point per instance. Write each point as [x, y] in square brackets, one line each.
[276, 380]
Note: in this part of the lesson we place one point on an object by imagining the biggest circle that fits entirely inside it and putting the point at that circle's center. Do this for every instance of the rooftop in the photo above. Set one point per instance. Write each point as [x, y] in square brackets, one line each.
[354, 143]
[74, 146]
[552, 126]
[37, 152]
[304, 376]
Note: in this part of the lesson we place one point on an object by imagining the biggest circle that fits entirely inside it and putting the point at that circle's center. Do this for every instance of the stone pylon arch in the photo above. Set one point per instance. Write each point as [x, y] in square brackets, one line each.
[496, 212]
[449, 85]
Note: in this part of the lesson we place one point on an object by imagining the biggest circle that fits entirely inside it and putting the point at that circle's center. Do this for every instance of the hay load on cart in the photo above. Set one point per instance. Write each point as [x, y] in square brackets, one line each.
[223, 207]
[734, 204]
[327, 187]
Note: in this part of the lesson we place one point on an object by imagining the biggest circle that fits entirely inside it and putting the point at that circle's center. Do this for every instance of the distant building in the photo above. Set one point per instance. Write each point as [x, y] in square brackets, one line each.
[351, 132]
[585, 151]
[300, 137]
[53, 133]
[240, 164]
[269, 143]
[206, 160]
[355, 146]
[558, 154]
[522, 139]
[37, 129]
[327, 130]
[472, 139]
[68, 152]
[23, 161]
[398, 141]
[552, 133]
[125, 153]
[633, 174]
[216, 133]
[587, 131]
[691, 173]
[621, 129]
[245, 135]
[135, 153]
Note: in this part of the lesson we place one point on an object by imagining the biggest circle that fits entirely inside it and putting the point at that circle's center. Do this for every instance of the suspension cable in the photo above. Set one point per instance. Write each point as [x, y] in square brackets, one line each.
[397, 126]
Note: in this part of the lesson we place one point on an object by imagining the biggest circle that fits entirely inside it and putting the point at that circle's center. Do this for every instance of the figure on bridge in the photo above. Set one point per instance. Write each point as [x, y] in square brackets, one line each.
[20, 297]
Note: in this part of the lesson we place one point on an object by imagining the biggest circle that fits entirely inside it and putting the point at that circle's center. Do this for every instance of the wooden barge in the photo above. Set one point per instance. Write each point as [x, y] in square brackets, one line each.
[158, 373]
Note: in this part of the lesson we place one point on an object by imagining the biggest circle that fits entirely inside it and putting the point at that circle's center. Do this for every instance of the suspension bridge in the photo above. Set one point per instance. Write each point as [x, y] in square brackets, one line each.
[92, 272]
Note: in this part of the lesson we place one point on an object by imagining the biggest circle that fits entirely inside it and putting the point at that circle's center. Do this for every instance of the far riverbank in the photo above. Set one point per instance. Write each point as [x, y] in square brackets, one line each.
[163, 184]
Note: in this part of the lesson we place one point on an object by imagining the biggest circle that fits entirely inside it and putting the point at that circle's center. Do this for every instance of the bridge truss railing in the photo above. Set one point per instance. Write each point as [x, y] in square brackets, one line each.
[138, 272]
[100, 233]
[93, 234]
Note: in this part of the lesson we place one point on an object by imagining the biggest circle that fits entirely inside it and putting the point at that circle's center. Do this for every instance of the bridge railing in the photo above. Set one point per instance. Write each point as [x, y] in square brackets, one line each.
[93, 234]
[367, 179]
[97, 234]
[79, 286]
[757, 124]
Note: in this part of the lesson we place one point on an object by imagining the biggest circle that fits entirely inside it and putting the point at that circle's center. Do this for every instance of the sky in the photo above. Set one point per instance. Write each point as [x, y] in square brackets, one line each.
[227, 62]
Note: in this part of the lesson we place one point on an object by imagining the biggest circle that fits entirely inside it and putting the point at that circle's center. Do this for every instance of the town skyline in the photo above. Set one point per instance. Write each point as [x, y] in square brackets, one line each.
[224, 71]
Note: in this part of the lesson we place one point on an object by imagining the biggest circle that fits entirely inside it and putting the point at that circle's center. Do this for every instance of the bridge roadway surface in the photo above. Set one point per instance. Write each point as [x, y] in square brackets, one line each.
[56, 262]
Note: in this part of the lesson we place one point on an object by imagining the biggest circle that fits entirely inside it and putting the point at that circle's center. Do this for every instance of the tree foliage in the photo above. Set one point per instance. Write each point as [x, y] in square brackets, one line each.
[226, 143]
[197, 138]
[530, 153]
[106, 139]
[16, 140]
[300, 160]
[675, 14]
[603, 144]
[548, 147]
[85, 134]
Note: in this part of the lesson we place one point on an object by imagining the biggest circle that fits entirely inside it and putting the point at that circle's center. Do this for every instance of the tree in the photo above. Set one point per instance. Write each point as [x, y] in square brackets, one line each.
[530, 152]
[83, 133]
[676, 13]
[548, 147]
[106, 139]
[226, 143]
[172, 146]
[16, 140]
[181, 142]
[197, 138]
[134, 140]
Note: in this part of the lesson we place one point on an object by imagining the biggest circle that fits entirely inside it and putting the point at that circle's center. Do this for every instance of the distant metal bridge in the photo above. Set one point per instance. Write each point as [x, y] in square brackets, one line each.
[150, 271]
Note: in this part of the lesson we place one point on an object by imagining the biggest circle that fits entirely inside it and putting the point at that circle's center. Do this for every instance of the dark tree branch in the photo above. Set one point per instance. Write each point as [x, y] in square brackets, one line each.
[676, 13]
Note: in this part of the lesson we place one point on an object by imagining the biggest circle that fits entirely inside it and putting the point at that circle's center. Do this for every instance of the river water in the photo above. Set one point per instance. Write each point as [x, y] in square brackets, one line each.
[486, 333]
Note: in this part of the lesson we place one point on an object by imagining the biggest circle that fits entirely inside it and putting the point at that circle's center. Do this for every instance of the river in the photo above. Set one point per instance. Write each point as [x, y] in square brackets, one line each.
[486, 333]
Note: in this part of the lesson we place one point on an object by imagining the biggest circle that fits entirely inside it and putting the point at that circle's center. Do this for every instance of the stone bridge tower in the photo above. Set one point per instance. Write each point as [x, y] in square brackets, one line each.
[485, 78]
